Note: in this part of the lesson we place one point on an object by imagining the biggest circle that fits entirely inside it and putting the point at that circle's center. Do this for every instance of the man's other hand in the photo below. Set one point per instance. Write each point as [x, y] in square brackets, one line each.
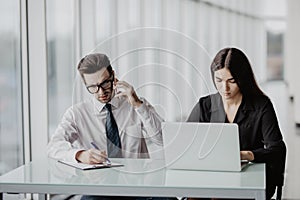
[91, 156]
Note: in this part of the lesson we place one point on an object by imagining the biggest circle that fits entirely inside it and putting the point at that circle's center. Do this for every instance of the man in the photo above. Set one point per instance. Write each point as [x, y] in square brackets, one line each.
[116, 121]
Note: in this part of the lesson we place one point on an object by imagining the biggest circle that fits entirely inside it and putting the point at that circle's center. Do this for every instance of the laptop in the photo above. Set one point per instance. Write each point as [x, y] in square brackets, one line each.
[202, 146]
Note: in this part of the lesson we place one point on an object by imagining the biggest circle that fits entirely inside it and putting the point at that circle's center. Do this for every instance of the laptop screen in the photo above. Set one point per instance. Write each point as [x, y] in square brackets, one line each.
[202, 146]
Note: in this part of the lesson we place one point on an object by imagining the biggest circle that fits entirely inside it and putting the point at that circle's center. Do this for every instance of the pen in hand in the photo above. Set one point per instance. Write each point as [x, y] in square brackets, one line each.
[107, 161]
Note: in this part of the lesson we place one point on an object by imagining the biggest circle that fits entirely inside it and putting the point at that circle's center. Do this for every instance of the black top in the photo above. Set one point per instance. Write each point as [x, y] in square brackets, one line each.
[258, 126]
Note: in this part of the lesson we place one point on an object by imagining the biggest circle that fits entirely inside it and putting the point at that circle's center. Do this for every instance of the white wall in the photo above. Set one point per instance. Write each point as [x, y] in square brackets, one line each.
[292, 44]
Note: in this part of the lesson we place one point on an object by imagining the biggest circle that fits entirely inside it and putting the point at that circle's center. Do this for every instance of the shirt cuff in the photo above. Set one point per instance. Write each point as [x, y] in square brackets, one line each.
[72, 155]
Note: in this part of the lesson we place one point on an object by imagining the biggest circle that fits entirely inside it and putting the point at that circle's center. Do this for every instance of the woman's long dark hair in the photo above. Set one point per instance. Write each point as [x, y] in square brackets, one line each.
[239, 66]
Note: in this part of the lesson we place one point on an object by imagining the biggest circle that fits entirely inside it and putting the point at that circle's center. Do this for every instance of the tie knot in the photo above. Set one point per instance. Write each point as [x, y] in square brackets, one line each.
[108, 107]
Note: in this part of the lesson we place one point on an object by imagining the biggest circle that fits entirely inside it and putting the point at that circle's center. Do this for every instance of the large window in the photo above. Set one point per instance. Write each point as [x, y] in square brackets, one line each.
[162, 48]
[11, 133]
[275, 25]
[61, 65]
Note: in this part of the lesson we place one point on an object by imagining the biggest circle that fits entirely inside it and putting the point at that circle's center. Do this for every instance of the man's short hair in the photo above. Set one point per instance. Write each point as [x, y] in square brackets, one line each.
[92, 63]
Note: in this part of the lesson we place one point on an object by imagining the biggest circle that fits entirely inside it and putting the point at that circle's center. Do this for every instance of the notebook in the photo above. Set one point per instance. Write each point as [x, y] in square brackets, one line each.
[84, 166]
[202, 146]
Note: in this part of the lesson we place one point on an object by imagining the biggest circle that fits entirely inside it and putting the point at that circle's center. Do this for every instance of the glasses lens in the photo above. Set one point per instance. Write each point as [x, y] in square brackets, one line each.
[92, 89]
[104, 86]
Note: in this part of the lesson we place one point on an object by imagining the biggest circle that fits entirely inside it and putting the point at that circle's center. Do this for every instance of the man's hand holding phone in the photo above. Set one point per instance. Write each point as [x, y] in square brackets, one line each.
[122, 88]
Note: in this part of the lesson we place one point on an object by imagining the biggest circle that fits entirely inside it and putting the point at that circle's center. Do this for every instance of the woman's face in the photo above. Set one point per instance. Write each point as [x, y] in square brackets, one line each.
[226, 85]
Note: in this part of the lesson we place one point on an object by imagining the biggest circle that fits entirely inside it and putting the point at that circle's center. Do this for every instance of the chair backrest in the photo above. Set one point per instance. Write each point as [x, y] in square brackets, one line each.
[278, 171]
[278, 192]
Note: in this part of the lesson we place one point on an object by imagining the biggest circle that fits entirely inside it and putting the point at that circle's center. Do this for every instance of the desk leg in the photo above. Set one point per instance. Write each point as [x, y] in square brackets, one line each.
[42, 197]
[1, 196]
[260, 196]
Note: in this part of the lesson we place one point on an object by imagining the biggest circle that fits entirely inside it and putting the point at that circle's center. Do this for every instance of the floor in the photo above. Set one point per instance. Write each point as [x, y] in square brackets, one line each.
[277, 91]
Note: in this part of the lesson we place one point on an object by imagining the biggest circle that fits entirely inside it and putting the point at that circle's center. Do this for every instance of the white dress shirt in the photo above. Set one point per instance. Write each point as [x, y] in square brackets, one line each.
[83, 123]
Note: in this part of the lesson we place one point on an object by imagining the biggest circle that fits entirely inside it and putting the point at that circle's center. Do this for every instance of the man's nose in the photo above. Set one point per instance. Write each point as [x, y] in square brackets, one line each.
[100, 91]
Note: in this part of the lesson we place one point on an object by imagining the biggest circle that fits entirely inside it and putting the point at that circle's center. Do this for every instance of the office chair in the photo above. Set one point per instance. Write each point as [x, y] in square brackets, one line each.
[277, 169]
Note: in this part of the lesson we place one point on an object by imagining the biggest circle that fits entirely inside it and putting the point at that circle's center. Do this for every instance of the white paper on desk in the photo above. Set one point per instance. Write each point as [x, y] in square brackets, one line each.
[84, 166]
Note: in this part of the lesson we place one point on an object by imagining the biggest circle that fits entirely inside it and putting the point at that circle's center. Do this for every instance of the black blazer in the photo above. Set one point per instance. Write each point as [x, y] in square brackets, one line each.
[257, 121]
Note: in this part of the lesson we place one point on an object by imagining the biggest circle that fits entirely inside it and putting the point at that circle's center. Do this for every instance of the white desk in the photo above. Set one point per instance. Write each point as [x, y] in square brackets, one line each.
[138, 177]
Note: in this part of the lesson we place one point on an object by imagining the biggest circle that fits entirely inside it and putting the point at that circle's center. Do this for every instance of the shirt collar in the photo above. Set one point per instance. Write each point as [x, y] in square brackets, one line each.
[217, 104]
[115, 102]
[247, 104]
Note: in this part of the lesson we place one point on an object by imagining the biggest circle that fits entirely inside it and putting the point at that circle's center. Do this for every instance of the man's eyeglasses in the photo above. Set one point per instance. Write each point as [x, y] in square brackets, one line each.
[105, 85]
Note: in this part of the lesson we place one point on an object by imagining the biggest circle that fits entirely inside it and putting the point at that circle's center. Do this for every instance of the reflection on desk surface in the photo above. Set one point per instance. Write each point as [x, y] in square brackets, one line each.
[251, 177]
[142, 172]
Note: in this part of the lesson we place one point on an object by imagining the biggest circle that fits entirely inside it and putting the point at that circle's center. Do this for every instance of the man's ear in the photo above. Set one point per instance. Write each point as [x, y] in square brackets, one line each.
[83, 78]
[114, 75]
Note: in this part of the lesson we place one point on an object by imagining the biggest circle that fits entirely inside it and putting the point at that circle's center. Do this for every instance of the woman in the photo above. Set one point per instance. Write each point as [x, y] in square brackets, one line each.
[240, 100]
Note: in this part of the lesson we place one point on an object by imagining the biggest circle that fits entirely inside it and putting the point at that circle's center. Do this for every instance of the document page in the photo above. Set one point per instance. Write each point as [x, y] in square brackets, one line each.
[84, 166]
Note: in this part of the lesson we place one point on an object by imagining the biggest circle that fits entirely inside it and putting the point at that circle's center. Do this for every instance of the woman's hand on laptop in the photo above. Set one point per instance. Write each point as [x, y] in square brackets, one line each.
[247, 155]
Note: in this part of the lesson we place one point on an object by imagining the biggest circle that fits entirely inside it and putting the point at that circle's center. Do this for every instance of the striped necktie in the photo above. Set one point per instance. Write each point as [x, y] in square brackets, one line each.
[114, 149]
